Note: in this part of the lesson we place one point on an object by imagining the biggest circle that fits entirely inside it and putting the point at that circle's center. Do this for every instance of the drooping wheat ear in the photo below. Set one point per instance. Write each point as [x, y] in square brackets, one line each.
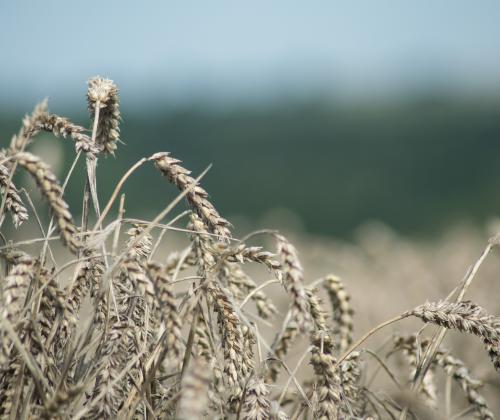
[103, 93]
[413, 351]
[194, 392]
[243, 254]
[13, 203]
[168, 307]
[256, 405]
[293, 281]
[465, 317]
[197, 197]
[231, 336]
[456, 369]
[317, 312]
[327, 392]
[63, 127]
[27, 130]
[342, 310]
[241, 284]
[51, 190]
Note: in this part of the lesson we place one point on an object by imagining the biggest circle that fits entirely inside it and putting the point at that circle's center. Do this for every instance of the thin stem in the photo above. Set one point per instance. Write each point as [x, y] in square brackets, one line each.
[367, 336]
[257, 289]
[88, 185]
[292, 374]
[117, 191]
[51, 228]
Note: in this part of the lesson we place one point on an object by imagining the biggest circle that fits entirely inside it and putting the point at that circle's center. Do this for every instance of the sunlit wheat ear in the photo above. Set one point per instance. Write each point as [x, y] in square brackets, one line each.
[342, 310]
[249, 341]
[168, 308]
[293, 281]
[197, 197]
[13, 203]
[231, 335]
[256, 405]
[318, 314]
[201, 245]
[103, 93]
[327, 392]
[51, 190]
[465, 317]
[133, 264]
[194, 393]
[28, 129]
[16, 284]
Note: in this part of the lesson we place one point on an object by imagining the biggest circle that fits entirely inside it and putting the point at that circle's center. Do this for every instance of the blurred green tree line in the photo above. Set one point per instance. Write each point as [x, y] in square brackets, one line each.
[419, 165]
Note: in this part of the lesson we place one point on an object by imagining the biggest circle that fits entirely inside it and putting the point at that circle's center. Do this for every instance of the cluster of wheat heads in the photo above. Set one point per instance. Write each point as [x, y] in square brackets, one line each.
[178, 334]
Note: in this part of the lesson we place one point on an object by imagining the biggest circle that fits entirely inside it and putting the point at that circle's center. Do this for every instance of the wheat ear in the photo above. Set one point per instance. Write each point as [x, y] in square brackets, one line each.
[197, 197]
[342, 310]
[293, 281]
[13, 202]
[256, 405]
[327, 393]
[51, 190]
[103, 94]
[465, 317]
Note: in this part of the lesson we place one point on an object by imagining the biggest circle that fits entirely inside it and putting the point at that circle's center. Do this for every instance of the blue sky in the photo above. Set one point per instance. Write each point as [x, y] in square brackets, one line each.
[228, 50]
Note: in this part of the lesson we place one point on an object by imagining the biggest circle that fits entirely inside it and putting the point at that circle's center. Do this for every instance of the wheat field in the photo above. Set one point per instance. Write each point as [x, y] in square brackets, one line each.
[176, 318]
